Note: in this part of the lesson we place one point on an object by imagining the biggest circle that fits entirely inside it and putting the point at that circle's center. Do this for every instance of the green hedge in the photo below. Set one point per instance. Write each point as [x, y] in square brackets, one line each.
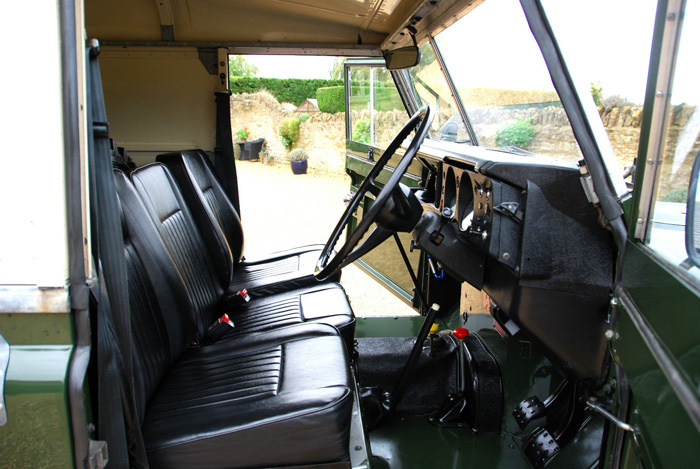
[285, 90]
[331, 99]
[386, 98]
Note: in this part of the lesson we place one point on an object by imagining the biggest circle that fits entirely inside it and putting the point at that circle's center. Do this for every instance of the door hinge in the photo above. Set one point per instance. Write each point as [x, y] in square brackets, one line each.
[98, 456]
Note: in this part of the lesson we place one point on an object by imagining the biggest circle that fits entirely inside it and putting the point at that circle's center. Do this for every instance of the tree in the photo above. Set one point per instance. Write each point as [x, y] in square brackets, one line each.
[238, 66]
[336, 71]
[597, 93]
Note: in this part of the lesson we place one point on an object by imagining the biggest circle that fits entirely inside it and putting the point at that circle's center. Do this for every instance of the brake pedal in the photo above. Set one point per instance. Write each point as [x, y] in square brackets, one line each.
[540, 447]
[528, 410]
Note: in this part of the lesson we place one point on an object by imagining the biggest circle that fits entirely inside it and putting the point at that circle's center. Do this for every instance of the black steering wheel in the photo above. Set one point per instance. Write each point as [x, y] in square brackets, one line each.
[395, 208]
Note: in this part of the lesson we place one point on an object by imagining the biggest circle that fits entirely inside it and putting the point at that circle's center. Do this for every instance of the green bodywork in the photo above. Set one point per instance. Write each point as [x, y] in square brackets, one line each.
[38, 431]
[668, 310]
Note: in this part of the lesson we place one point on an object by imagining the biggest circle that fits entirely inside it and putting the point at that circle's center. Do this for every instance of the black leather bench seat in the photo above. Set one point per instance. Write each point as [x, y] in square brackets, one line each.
[274, 392]
[221, 228]
[171, 218]
[261, 400]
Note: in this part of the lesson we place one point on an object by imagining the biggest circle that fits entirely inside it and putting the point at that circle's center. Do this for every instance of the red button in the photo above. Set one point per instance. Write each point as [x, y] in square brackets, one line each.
[243, 292]
[224, 318]
[460, 333]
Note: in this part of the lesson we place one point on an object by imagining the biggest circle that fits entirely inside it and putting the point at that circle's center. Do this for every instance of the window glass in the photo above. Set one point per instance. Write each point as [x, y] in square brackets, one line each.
[430, 87]
[503, 82]
[681, 147]
[607, 45]
[376, 110]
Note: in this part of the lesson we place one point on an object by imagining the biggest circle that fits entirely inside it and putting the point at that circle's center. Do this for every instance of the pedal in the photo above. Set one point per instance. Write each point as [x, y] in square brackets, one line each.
[533, 408]
[528, 410]
[540, 447]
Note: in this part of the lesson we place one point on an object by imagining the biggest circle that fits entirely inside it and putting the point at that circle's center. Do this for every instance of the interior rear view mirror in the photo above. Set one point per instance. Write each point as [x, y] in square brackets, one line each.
[404, 57]
[692, 217]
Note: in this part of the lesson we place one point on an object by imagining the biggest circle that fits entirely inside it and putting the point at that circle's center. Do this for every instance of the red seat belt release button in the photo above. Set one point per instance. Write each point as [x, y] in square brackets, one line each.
[225, 320]
[219, 329]
[244, 295]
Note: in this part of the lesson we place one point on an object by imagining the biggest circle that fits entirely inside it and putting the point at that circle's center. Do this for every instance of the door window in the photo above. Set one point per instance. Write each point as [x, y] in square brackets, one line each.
[681, 144]
[376, 111]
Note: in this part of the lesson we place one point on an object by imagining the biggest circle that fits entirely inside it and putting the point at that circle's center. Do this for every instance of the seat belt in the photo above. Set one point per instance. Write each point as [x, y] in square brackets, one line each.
[118, 422]
[224, 161]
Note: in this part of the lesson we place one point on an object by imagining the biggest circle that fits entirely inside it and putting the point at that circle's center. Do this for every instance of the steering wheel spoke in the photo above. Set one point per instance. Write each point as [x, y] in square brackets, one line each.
[374, 190]
[395, 208]
[375, 238]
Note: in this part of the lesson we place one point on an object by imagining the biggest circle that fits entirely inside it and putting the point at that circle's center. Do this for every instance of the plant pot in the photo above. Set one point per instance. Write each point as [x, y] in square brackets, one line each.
[299, 167]
[268, 160]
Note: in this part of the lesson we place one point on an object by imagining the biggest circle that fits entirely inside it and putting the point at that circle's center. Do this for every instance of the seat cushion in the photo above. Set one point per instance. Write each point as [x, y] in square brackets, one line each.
[324, 303]
[265, 399]
[278, 272]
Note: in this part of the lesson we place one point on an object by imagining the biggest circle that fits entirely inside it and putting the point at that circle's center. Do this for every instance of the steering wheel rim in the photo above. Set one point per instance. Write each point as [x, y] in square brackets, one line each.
[328, 263]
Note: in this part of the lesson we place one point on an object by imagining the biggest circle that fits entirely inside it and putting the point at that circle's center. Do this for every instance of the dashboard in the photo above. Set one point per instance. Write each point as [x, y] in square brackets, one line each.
[522, 229]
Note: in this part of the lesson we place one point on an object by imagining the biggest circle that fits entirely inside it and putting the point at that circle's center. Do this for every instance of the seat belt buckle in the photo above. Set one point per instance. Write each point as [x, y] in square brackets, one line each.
[242, 297]
[237, 299]
[219, 329]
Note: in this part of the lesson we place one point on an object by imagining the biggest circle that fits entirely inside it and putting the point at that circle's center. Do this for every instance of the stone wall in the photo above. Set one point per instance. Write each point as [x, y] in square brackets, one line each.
[323, 135]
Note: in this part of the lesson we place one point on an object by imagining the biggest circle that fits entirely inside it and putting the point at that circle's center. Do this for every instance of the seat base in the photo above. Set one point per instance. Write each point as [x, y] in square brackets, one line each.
[324, 303]
[278, 272]
[266, 399]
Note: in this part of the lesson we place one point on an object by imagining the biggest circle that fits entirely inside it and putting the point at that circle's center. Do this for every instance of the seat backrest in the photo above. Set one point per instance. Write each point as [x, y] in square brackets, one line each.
[213, 211]
[154, 287]
[173, 220]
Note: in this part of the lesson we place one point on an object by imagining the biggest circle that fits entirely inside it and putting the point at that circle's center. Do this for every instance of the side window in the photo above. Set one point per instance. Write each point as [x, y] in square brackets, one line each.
[376, 111]
[680, 148]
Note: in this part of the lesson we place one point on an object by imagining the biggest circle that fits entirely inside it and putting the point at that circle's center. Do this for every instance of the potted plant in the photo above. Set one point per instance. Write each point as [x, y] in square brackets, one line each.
[298, 160]
[266, 158]
[243, 134]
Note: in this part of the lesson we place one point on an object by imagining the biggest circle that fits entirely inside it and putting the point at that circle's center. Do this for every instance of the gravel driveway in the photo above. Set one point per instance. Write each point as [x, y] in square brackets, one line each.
[280, 210]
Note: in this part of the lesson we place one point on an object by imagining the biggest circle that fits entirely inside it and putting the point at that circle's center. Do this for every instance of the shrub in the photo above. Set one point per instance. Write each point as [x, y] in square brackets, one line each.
[289, 130]
[676, 195]
[597, 93]
[517, 134]
[299, 155]
[331, 99]
[361, 131]
[289, 90]
[616, 101]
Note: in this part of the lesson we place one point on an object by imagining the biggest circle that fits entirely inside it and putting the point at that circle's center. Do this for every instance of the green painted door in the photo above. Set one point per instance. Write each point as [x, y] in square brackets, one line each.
[374, 115]
[657, 338]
